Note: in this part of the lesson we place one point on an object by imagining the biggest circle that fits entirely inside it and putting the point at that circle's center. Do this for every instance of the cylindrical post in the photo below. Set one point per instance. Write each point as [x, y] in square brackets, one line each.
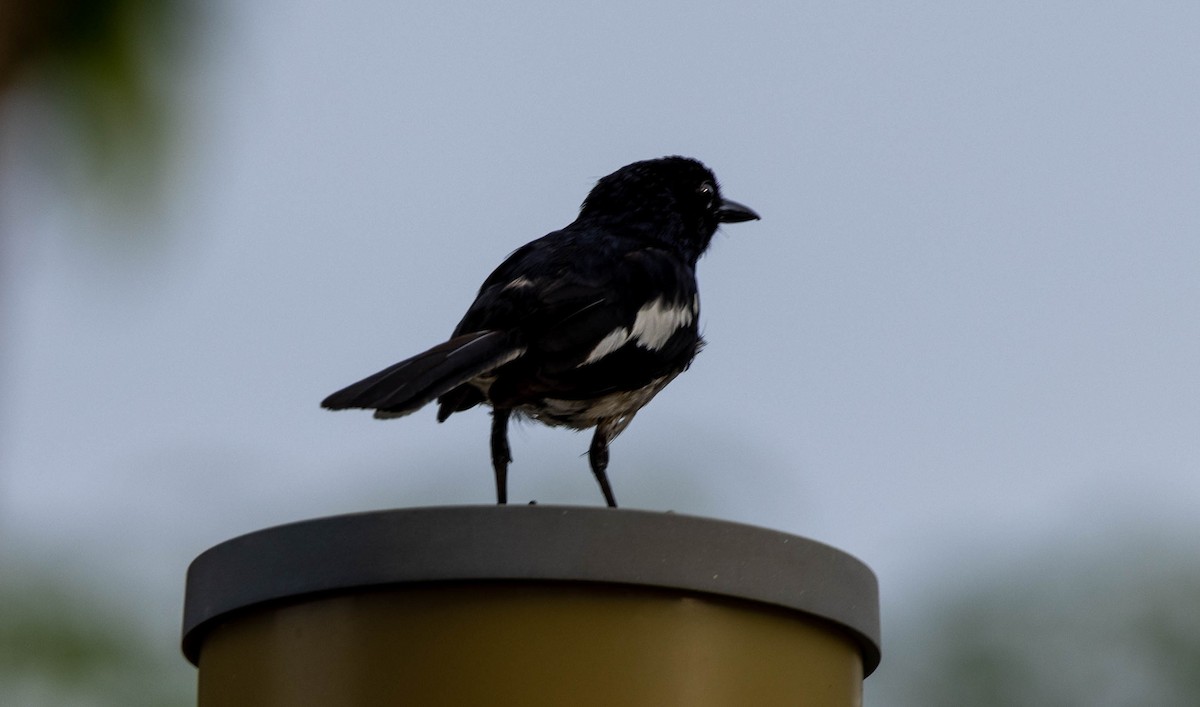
[528, 605]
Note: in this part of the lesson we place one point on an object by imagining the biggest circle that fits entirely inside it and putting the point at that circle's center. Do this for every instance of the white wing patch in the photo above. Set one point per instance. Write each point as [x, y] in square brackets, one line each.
[657, 321]
[655, 324]
[615, 340]
[520, 282]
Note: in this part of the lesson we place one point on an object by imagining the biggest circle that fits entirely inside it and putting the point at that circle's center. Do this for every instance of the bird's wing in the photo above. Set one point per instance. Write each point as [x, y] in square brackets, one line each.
[595, 316]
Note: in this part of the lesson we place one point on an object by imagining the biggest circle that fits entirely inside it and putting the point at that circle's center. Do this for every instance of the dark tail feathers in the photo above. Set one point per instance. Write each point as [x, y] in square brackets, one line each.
[410, 384]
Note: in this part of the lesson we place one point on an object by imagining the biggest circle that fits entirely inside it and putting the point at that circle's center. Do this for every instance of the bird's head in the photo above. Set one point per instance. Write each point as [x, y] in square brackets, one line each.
[673, 200]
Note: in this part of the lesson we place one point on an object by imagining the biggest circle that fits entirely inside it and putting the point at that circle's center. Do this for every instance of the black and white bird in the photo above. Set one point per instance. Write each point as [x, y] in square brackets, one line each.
[581, 327]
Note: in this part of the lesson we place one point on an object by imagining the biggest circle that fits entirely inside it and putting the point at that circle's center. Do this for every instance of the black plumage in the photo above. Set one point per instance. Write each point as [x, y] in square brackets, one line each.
[581, 327]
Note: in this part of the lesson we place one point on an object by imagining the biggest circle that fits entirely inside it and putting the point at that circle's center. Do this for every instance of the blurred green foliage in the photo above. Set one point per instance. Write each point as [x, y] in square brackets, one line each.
[1116, 625]
[62, 646]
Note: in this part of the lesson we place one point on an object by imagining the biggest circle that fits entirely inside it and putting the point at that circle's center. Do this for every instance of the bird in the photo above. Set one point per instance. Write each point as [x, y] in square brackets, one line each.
[580, 328]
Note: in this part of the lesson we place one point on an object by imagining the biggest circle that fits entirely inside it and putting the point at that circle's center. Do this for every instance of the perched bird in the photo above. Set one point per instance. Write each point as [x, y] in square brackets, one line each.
[581, 327]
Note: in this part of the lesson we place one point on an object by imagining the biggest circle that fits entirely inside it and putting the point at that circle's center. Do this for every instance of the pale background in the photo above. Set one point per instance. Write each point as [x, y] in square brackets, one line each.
[964, 338]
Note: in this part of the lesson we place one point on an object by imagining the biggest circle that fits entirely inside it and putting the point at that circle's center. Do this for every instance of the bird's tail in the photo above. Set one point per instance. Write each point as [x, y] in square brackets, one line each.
[407, 386]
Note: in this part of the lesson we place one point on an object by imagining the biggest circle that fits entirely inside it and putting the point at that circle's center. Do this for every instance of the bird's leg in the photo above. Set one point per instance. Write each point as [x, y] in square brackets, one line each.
[501, 455]
[598, 457]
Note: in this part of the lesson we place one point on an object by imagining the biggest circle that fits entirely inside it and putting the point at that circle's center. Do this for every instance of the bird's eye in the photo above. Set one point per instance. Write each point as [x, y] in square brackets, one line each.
[709, 193]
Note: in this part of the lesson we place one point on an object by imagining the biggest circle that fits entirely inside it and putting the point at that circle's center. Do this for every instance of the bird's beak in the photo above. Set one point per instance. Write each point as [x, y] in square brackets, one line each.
[732, 212]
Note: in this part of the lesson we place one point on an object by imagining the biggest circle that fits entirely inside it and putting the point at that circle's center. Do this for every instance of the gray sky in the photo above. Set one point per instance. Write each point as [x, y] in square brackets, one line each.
[967, 326]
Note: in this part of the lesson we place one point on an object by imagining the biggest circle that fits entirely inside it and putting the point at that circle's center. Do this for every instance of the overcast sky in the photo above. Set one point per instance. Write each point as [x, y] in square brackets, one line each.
[967, 326]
